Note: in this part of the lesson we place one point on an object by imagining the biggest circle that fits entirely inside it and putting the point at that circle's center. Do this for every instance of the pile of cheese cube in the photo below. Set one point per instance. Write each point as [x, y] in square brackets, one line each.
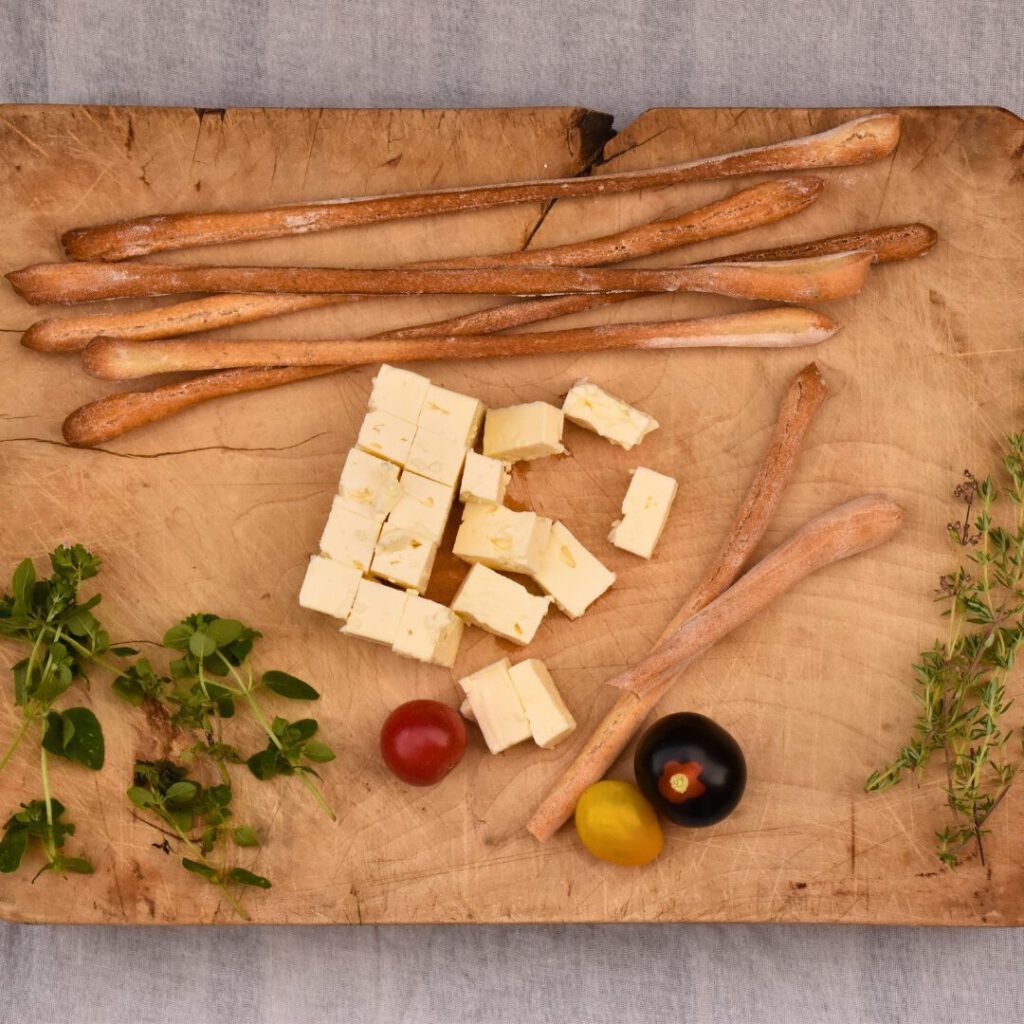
[414, 452]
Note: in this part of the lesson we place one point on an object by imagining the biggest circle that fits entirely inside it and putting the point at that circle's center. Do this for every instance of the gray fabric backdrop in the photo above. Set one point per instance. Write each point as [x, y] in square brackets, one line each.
[620, 56]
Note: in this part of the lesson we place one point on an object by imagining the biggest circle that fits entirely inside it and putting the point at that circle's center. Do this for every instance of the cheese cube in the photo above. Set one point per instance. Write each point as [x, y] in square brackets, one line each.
[399, 392]
[550, 720]
[428, 632]
[528, 431]
[423, 508]
[404, 558]
[500, 605]
[570, 574]
[386, 436]
[484, 479]
[329, 587]
[348, 537]
[502, 538]
[589, 406]
[376, 613]
[369, 485]
[436, 456]
[645, 511]
[495, 707]
[452, 414]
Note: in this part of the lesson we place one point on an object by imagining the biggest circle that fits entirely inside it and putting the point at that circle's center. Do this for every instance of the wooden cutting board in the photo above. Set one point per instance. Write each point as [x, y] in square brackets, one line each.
[218, 510]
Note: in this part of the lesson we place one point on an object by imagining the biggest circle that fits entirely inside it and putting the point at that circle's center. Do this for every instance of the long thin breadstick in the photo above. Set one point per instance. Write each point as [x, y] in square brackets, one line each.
[853, 142]
[889, 245]
[826, 277]
[761, 204]
[114, 415]
[782, 327]
[847, 530]
[803, 399]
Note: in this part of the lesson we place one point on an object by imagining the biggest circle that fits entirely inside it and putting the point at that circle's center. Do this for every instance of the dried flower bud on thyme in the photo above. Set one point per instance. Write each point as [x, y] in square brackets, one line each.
[961, 681]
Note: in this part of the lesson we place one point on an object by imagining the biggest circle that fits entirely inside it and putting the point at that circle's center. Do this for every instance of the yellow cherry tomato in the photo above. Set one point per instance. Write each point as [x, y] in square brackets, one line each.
[616, 823]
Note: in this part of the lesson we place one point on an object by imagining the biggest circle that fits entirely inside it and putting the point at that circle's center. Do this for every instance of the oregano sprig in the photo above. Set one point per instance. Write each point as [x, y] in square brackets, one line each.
[961, 679]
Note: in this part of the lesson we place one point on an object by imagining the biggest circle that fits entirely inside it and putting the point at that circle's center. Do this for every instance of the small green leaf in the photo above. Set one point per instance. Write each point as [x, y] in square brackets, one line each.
[266, 764]
[219, 796]
[224, 631]
[199, 869]
[246, 836]
[77, 735]
[12, 849]
[202, 645]
[183, 792]
[142, 798]
[318, 752]
[177, 637]
[303, 729]
[243, 877]
[22, 583]
[78, 865]
[124, 652]
[285, 685]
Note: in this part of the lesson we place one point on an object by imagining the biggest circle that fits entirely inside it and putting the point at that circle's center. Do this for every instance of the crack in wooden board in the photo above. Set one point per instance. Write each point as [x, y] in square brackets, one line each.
[925, 376]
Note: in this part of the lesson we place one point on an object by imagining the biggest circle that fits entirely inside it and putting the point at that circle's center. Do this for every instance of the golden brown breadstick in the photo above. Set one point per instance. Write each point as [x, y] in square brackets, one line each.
[826, 277]
[888, 245]
[72, 333]
[802, 400]
[853, 142]
[782, 327]
[848, 530]
[752, 207]
[114, 415]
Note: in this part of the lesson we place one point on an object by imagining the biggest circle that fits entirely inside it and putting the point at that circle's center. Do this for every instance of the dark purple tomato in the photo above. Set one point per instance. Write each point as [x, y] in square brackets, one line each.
[690, 769]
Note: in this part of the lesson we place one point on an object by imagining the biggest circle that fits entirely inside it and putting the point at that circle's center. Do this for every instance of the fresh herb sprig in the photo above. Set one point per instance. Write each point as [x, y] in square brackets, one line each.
[208, 682]
[961, 680]
[164, 790]
[63, 636]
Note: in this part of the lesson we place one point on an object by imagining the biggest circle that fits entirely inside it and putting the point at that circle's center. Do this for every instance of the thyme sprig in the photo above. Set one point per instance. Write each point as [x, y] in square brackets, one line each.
[961, 680]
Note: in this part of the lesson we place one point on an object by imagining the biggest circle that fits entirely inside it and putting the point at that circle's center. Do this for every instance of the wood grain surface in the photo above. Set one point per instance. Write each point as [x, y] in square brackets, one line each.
[218, 510]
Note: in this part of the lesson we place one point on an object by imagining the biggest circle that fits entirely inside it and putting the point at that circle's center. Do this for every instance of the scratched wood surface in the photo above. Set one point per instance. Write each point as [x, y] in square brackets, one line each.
[220, 508]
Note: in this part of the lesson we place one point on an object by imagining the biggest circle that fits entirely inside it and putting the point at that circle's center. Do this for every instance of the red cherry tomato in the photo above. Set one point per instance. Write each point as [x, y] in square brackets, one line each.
[421, 741]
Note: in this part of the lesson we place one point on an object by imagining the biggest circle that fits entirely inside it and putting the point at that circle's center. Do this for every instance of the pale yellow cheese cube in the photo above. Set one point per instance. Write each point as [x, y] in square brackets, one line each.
[500, 605]
[452, 414]
[424, 506]
[550, 720]
[386, 436]
[436, 456]
[376, 613]
[570, 574]
[349, 537]
[484, 479]
[492, 702]
[589, 406]
[399, 392]
[502, 538]
[428, 632]
[329, 587]
[645, 510]
[404, 558]
[369, 485]
[528, 431]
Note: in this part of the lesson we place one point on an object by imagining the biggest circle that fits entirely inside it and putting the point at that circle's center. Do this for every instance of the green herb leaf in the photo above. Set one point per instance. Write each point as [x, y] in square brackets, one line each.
[22, 584]
[202, 645]
[75, 734]
[246, 836]
[12, 848]
[224, 632]
[318, 752]
[285, 685]
[242, 877]
[198, 868]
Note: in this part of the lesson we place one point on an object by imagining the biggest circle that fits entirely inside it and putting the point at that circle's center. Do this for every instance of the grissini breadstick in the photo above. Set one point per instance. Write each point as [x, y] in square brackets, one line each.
[114, 415]
[761, 204]
[800, 404]
[72, 333]
[853, 142]
[889, 245]
[847, 530]
[782, 327]
[826, 277]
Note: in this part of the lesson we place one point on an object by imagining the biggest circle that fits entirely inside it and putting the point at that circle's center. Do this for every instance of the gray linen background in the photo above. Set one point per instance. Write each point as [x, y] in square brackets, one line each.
[621, 57]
